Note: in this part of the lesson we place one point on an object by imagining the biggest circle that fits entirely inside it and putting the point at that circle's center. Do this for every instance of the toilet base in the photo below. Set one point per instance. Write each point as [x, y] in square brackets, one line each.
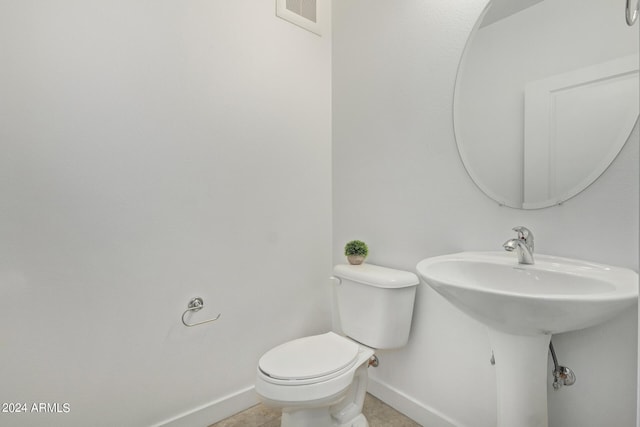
[359, 421]
[318, 417]
[344, 412]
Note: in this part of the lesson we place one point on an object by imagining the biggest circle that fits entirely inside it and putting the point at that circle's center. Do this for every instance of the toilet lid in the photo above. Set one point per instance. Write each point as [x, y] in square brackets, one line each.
[309, 357]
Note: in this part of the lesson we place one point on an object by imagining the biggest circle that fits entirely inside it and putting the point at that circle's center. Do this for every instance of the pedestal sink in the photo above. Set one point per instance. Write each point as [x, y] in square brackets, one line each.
[522, 306]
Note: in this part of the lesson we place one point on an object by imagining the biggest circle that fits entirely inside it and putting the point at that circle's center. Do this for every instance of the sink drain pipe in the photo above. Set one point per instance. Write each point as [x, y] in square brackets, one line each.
[561, 374]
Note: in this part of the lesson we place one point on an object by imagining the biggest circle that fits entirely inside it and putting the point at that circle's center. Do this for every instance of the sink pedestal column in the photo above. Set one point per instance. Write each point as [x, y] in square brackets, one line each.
[521, 377]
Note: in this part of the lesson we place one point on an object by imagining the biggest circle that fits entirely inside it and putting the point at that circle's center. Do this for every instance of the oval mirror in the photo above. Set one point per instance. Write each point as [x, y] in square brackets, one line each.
[546, 96]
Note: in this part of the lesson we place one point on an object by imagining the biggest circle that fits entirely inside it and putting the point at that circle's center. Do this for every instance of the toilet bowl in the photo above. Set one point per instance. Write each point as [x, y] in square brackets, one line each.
[321, 380]
[318, 381]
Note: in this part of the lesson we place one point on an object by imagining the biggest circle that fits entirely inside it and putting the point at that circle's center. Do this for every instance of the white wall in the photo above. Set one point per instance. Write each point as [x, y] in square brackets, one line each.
[153, 151]
[400, 186]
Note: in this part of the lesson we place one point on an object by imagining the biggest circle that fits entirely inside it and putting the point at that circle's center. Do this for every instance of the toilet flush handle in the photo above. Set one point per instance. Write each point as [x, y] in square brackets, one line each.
[337, 279]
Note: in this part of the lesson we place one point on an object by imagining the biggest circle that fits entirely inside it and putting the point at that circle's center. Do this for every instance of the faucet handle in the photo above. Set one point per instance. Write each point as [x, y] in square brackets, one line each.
[524, 234]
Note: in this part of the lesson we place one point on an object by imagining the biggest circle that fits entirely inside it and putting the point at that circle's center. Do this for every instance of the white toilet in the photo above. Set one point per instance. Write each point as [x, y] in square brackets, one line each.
[321, 380]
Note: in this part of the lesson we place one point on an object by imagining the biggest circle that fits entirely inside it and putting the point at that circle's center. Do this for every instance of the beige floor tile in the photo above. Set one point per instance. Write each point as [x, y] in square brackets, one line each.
[377, 412]
[256, 416]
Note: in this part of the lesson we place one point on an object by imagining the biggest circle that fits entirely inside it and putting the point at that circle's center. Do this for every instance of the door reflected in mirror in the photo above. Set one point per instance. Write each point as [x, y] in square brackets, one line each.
[546, 96]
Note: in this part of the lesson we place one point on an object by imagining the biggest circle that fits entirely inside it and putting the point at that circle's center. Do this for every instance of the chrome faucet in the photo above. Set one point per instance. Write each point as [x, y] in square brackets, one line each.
[523, 245]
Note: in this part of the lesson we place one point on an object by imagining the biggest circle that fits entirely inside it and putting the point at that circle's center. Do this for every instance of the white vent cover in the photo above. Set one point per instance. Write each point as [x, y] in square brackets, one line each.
[303, 13]
[304, 8]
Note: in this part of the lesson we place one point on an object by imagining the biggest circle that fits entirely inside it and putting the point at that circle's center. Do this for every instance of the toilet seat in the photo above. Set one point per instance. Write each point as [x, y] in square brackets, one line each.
[309, 360]
[322, 383]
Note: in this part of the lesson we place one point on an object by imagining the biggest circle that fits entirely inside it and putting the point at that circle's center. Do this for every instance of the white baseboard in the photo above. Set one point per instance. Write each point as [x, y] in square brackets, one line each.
[413, 409]
[215, 411]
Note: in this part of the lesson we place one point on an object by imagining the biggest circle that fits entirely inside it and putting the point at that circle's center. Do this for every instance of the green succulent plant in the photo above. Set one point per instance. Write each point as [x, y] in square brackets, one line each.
[356, 247]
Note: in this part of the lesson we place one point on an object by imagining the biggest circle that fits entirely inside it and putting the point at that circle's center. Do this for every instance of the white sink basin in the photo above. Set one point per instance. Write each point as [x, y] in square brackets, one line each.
[551, 296]
[522, 305]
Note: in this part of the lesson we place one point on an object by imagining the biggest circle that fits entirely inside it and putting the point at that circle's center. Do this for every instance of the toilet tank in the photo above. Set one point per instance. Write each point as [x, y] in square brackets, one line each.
[375, 304]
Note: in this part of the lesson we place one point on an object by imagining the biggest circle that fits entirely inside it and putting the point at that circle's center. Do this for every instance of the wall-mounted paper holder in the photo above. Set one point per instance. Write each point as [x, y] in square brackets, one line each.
[196, 304]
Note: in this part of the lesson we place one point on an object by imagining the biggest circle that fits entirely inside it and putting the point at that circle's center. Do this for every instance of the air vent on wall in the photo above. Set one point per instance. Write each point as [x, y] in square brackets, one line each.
[302, 13]
[304, 8]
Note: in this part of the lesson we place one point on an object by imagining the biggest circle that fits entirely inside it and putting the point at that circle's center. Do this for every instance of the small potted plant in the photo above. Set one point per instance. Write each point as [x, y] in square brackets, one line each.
[356, 251]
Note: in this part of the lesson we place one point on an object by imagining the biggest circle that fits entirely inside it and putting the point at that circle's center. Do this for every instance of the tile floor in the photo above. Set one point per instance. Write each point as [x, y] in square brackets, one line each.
[377, 412]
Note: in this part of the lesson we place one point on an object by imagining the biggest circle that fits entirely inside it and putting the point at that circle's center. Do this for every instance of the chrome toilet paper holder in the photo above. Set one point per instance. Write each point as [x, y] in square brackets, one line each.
[196, 304]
